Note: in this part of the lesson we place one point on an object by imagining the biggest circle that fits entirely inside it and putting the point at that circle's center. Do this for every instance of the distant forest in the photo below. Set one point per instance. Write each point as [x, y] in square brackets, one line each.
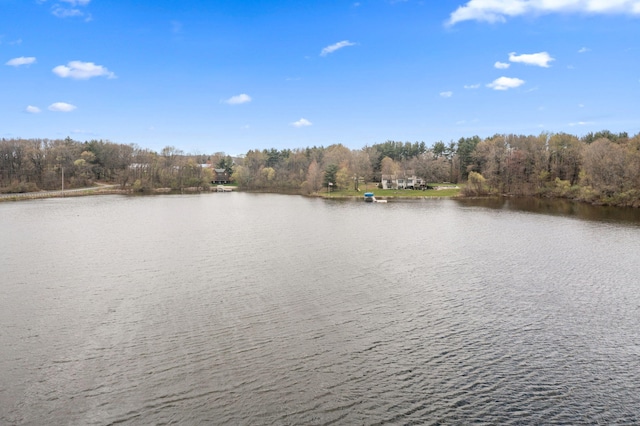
[601, 167]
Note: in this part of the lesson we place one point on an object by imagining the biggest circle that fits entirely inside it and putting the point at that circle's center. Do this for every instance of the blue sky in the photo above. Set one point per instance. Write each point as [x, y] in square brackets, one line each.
[229, 76]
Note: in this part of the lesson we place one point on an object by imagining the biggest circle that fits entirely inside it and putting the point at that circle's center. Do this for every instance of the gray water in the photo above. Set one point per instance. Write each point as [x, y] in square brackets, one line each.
[269, 309]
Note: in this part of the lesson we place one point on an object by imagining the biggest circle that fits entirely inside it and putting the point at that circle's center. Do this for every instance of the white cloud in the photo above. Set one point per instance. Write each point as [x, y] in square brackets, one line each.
[472, 86]
[62, 12]
[499, 10]
[16, 62]
[446, 94]
[334, 47]
[580, 123]
[488, 11]
[303, 122]
[505, 83]
[584, 50]
[61, 107]
[501, 65]
[242, 98]
[32, 109]
[540, 59]
[82, 70]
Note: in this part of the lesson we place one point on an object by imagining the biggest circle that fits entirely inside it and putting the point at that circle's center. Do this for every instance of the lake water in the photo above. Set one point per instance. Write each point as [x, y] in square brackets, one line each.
[270, 309]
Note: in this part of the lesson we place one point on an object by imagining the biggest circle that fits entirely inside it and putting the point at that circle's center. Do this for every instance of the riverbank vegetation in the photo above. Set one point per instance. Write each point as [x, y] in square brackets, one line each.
[601, 168]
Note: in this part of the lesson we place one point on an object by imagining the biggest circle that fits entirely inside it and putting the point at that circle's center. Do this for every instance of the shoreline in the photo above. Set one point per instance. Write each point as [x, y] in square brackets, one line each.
[115, 190]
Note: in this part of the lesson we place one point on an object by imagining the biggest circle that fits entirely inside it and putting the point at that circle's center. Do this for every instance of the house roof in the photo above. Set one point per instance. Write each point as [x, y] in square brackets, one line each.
[407, 175]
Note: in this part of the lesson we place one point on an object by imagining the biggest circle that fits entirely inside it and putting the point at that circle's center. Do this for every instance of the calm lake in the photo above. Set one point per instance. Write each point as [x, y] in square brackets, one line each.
[270, 309]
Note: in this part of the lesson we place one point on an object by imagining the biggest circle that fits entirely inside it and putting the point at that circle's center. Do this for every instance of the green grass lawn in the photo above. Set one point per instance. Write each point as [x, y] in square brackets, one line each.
[451, 191]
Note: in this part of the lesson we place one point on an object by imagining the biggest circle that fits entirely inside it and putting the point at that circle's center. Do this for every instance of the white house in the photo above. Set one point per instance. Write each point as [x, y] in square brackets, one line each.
[402, 181]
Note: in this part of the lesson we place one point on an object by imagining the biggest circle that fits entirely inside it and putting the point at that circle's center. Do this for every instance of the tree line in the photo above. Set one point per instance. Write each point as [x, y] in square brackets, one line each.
[312, 169]
[41, 164]
[601, 167]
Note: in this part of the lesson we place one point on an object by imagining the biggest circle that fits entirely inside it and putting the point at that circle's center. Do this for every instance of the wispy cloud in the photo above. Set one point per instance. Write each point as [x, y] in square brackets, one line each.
[472, 86]
[70, 8]
[499, 10]
[64, 12]
[584, 50]
[540, 59]
[61, 107]
[505, 83]
[336, 46]
[501, 65]
[32, 109]
[16, 62]
[446, 94]
[13, 42]
[242, 98]
[82, 70]
[303, 122]
[581, 123]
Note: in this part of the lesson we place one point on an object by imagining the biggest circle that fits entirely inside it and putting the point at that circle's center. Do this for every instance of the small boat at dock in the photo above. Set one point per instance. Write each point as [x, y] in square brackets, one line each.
[370, 198]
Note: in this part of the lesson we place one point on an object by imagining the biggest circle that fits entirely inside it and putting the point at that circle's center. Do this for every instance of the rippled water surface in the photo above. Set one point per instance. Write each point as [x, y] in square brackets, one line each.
[268, 309]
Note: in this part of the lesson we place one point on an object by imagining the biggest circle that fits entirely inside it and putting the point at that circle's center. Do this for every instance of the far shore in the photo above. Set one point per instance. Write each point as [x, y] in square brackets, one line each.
[442, 191]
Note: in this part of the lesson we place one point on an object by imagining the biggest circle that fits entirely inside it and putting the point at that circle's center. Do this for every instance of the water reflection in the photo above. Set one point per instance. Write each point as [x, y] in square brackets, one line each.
[556, 207]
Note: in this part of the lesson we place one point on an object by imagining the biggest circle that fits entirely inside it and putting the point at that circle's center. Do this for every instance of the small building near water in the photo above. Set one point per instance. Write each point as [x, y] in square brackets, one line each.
[221, 177]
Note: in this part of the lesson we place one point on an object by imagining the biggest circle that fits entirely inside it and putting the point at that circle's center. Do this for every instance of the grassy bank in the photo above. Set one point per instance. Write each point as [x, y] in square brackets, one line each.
[443, 190]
